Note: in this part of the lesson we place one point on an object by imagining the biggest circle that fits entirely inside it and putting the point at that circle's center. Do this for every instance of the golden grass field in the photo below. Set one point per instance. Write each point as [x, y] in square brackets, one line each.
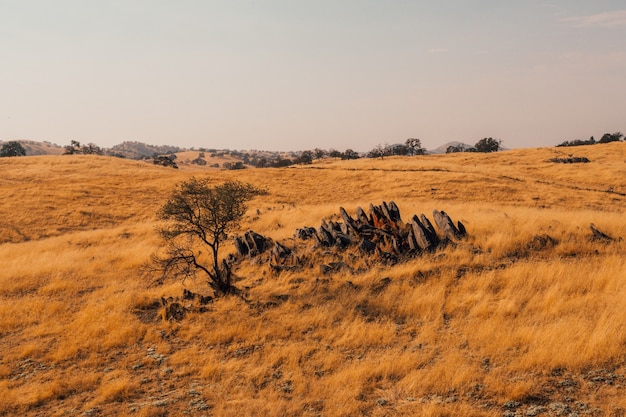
[489, 327]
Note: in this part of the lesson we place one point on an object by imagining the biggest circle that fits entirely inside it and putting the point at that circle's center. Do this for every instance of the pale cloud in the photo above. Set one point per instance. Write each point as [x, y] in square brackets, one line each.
[437, 51]
[608, 19]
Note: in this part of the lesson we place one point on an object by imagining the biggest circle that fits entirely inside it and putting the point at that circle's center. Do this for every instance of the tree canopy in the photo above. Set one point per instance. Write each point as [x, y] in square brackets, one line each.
[197, 217]
[12, 148]
[488, 145]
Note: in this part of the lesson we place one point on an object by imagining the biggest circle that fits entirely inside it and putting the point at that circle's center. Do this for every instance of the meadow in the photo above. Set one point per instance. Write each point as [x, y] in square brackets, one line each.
[495, 325]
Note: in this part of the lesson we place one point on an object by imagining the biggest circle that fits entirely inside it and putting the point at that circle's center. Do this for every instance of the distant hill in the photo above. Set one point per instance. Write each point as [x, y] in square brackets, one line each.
[443, 148]
[138, 150]
[39, 148]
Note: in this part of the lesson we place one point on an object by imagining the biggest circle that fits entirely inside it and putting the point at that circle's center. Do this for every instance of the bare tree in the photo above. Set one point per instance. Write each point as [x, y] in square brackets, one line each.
[379, 151]
[199, 217]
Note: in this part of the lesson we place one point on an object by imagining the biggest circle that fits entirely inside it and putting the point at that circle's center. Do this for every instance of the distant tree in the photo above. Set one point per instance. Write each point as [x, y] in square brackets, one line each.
[319, 153]
[198, 217]
[199, 160]
[399, 149]
[455, 149]
[488, 145]
[305, 157]
[12, 148]
[73, 148]
[91, 149]
[233, 165]
[165, 160]
[334, 153]
[281, 162]
[378, 151]
[611, 137]
[349, 154]
[578, 142]
[415, 146]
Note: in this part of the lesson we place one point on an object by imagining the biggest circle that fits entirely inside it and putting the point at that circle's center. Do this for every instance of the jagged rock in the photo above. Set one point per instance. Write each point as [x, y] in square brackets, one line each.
[342, 240]
[598, 235]
[325, 237]
[445, 224]
[387, 258]
[197, 298]
[349, 221]
[305, 233]
[367, 246]
[422, 235]
[334, 226]
[396, 244]
[280, 251]
[379, 220]
[411, 241]
[256, 242]
[431, 230]
[461, 227]
[172, 309]
[282, 255]
[241, 247]
[381, 233]
[362, 217]
[394, 212]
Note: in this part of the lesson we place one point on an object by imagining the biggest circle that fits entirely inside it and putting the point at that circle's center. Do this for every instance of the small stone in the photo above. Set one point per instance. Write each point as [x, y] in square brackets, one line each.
[535, 410]
[199, 405]
[511, 404]
[382, 402]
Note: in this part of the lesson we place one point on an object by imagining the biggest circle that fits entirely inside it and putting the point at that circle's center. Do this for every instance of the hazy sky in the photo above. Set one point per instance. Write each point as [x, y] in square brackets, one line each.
[294, 75]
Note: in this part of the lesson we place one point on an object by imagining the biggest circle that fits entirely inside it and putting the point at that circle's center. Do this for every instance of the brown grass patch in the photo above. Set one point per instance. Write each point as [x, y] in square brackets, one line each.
[498, 317]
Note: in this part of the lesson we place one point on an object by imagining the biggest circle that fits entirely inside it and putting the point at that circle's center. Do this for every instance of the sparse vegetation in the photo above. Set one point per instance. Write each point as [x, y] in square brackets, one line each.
[486, 145]
[165, 160]
[76, 148]
[12, 148]
[606, 138]
[525, 316]
[571, 160]
[199, 217]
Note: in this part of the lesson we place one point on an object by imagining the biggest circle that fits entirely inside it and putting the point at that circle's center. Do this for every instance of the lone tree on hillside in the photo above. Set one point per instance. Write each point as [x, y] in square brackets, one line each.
[415, 146]
[12, 149]
[199, 217]
[488, 145]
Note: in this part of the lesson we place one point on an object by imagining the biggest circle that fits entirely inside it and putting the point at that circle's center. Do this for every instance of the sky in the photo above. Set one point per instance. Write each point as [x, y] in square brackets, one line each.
[304, 74]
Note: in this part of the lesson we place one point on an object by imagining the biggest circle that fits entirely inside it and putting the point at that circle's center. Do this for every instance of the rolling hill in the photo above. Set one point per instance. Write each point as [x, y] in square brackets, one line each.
[525, 316]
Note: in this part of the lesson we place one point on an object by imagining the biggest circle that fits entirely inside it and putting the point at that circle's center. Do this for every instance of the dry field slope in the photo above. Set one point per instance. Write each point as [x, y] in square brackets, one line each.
[492, 326]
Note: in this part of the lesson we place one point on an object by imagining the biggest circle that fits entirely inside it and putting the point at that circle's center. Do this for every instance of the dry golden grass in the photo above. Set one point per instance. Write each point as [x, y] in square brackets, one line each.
[457, 332]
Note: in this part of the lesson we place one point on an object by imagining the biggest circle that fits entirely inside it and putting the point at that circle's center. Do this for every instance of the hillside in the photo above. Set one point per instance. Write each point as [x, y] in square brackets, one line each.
[525, 316]
[444, 148]
[39, 148]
